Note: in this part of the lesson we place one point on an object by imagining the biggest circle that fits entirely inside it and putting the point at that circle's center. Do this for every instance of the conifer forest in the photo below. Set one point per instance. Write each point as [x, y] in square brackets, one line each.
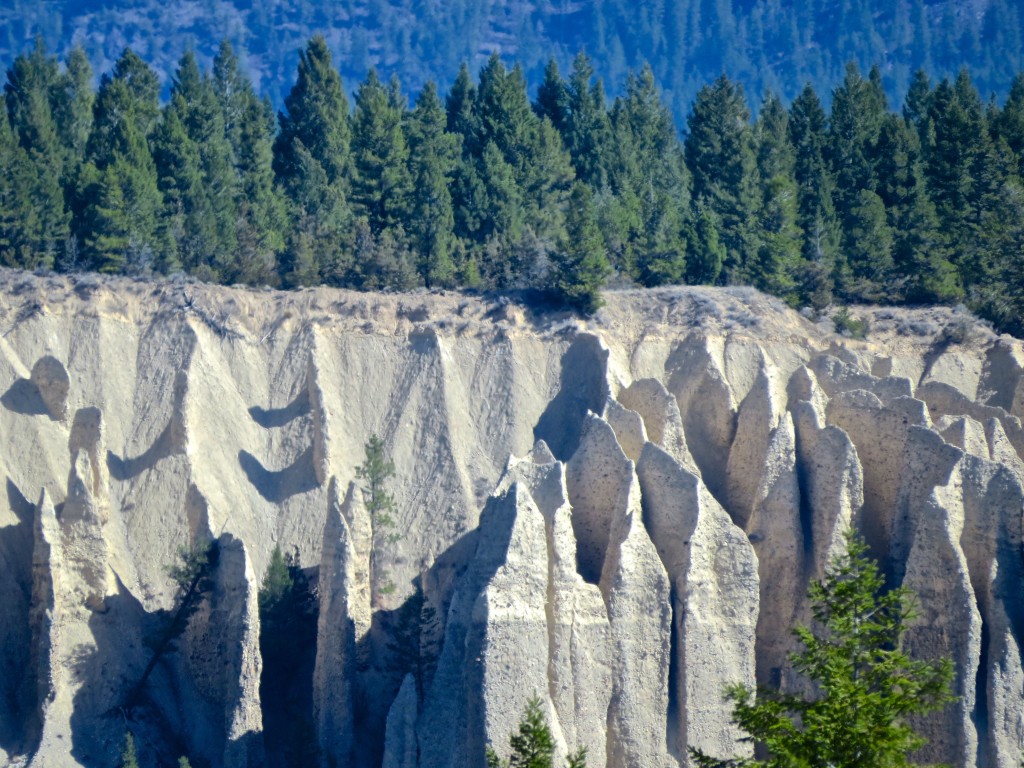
[480, 181]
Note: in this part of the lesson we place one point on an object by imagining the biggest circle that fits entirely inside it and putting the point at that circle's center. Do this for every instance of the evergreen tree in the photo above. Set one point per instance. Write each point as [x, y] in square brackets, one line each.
[1009, 126]
[433, 154]
[553, 98]
[815, 211]
[31, 92]
[532, 745]
[312, 162]
[249, 128]
[587, 129]
[382, 183]
[129, 757]
[858, 106]
[195, 165]
[706, 254]
[18, 213]
[720, 156]
[120, 200]
[580, 264]
[865, 685]
[920, 253]
[776, 262]
[869, 249]
[72, 111]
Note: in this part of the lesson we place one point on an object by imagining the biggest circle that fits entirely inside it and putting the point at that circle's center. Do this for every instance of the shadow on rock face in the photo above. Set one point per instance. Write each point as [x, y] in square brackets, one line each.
[584, 387]
[269, 418]
[23, 397]
[127, 468]
[19, 725]
[280, 485]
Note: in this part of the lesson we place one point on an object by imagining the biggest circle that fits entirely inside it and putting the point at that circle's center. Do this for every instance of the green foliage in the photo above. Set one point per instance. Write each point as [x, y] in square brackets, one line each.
[487, 190]
[848, 325]
[129, 757]
[533, 746]
[288, 629]
[375, 471]
[865, 684]
[580, 265]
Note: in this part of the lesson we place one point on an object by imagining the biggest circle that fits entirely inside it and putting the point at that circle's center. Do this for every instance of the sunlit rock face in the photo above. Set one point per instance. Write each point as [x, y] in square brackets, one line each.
[615, 516]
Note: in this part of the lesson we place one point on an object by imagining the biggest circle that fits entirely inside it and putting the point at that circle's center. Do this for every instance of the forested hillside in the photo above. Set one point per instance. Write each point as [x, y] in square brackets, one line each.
[777, 44]
[473, 184]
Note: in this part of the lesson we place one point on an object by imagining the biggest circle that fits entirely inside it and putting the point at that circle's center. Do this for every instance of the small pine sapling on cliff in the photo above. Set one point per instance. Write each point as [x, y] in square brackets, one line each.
[375, 471]
[533, 746]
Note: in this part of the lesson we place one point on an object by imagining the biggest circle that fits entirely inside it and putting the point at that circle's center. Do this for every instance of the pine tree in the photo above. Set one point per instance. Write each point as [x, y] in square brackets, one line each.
[815, 210]
[532, 745]
[775, 264]
[312, 162]
[580, 264]
[553, 98]
[31, 93]
[129, 757]
[119, 197]
[249, 128]
[433, 154]
[195, 165]
[587, 129]
[920, 253]
[858, 106]
[865, 684]
[719, 154]
[72, 111]
[382, 183]
[1009, 126]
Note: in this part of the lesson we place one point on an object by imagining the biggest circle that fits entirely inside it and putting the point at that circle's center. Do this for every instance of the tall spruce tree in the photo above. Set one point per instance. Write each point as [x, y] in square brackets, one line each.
[312, 161]
[587, 128]
[119, 197]
[920, 252]
[381, 183]
[720, 156]
[433, 154]
[816, 214]
[580, 263]
[197, 175]
[249, 128]
[774, 267]
[31, 91]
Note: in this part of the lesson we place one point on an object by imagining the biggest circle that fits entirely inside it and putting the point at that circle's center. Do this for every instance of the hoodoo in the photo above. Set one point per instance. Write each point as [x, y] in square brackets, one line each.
[616, 516]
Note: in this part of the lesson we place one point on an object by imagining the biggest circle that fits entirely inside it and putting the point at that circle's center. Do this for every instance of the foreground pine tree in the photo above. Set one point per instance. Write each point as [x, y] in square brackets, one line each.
[867, 684]
[533, 746]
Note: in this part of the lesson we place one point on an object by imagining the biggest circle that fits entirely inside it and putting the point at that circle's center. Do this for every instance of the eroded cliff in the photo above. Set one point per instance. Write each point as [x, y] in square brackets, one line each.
[619, 516]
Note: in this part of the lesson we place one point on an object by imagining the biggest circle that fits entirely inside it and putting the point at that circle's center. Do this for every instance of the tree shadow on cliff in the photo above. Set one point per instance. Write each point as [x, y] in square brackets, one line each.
[19, 697]
[277, 486]
[583, 387]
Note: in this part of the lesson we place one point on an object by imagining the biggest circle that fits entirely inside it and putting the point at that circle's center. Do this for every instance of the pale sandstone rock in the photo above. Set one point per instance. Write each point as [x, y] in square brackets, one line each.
[661, 416]
[759, 415]
[713, 573]
[598, 478]
[232, 416]
[400, 749]
[637, 592]
[343, 621]
[696, 377]
[628, 427]
[51, 379]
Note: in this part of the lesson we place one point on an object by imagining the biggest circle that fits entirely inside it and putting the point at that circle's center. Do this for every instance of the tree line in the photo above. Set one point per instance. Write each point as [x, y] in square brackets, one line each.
[480, 186]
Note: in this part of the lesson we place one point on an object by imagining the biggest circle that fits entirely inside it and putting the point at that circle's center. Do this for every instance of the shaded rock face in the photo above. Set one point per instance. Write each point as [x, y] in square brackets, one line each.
[672, 491]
